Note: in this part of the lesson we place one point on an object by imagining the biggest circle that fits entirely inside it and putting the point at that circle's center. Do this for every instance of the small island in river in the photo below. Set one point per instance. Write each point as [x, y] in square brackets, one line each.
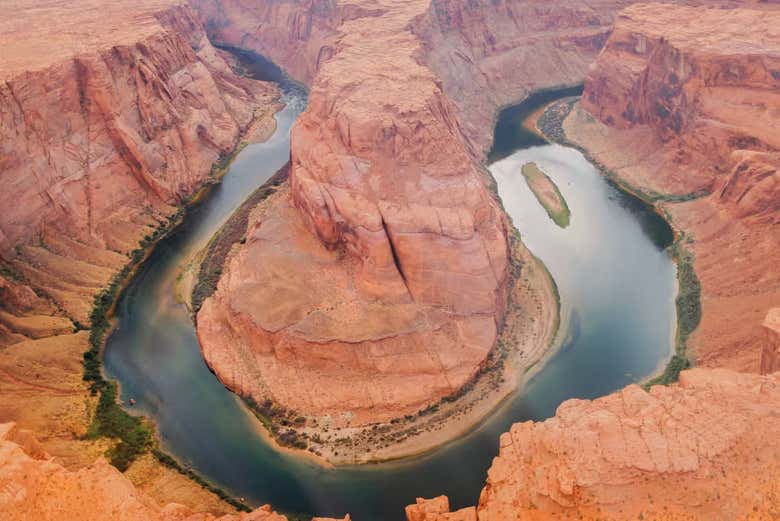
[547, 194]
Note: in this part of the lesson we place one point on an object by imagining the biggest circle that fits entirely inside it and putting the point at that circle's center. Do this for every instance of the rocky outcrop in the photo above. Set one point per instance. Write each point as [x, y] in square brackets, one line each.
[770, 356]
[692, 450]
[102, 137]
[377, 287]
[689, 451]
[438, 509]
[34, 486]
[686, 108]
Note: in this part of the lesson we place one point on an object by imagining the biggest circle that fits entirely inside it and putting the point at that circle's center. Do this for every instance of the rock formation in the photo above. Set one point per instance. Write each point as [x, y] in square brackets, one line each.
[104, 129]
[378, 286]
[686, 103]
[111, 115]
[386, 199]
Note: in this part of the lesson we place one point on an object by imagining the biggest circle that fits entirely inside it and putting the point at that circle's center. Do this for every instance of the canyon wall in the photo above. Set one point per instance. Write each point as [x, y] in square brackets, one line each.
[686, 105]
[489, 54]
[111, 115]
[100, 144]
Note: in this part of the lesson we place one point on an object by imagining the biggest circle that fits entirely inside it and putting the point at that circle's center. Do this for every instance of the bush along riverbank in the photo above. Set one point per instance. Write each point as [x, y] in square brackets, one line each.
[688, 305]
[134, 435]
[688, 301]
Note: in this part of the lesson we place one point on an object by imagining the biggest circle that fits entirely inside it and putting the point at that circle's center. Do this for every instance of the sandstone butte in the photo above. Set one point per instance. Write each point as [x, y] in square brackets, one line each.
[703, 448]
[377, 288]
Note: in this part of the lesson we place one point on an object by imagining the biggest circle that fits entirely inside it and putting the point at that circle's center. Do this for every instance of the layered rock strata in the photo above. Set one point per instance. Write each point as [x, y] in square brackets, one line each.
[686, 104]
[377, 287]
[111, 115]
[104, 130]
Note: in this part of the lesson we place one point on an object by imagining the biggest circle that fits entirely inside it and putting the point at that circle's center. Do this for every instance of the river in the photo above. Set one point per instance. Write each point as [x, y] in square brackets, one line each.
[616, 281]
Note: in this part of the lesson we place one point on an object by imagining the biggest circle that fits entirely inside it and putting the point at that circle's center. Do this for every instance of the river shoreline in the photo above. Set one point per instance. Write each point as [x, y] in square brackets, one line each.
[257, 129]
[550, 124]
[527, 340]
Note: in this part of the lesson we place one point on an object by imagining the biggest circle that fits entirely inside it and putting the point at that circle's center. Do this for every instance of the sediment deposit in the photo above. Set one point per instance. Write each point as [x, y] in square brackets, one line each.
[683, 105]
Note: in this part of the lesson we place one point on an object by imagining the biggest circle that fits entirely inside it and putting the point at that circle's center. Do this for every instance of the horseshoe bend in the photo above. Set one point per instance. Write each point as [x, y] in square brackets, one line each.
[323, 204]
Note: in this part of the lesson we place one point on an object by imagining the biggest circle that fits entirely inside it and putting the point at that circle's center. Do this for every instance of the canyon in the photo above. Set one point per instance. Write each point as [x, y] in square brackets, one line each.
[388, 235]
[690, 119]
[110, 120]
[410, 246]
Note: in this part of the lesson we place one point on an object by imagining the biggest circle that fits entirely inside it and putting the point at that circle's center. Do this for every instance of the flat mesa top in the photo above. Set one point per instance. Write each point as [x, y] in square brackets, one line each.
[35, 34]
[772, 320]
[716, 31]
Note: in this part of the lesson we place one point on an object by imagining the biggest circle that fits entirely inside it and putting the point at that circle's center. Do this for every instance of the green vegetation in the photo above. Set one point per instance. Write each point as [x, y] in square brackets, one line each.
[278, 421]
[547, 193]
[169, 462]
[688, 303]
[222, 164]
[110, 420]
[231, 232]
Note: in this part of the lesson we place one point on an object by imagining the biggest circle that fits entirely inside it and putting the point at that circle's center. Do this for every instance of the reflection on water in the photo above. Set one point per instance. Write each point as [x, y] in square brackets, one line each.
[617, 282]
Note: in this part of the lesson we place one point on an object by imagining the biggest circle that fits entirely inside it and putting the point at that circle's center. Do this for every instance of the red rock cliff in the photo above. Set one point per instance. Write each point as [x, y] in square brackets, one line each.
[102, 135]
[687, 103]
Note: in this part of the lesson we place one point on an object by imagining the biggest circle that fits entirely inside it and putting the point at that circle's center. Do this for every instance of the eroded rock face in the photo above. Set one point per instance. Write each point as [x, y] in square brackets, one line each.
[489, 54]
[689, 450]
[376, 289]
[298, 34]
[686, 103]
[102, 136]
[34, 486]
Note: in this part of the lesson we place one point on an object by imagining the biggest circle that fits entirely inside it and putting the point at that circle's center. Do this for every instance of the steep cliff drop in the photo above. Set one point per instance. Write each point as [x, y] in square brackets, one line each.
[111, 116]
[688, 451]
[686, 108]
